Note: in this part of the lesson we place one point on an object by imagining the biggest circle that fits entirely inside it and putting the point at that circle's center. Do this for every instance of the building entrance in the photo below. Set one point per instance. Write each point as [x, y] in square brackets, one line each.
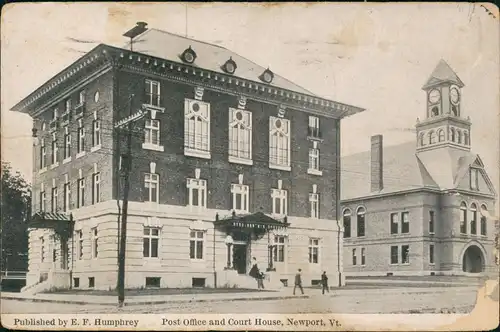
[473, 261]
[240, 258]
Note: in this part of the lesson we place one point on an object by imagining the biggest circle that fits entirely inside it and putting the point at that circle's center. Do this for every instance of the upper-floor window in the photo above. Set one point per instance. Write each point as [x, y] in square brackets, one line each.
[152, 93]
[432, 137]
[197, 192]
[53, 202]
[347, 223]
[151, 182]
[483, 220]
[466, 138]
[81, 137]
[405, 222]
[43, 199]
[196, 244]
[474, 178]
[313, 250]
[55, 148]
[43, 154]
[196, 128]
[314, 202]
[440, 135]
[67, 143]
[361, 221]
[151, 242]
[240, 133]
[96, 132]
[80, 192]
[67, 196]
[452, 134]
[241, 197]
[55, 114]
[96, 188]
[431, 222]
[394, 223]
[459, 137]
[473, 218]
[314, 157]
[314, 127]
[422, 139]
[463, 218]
[280, 201]
[152, 132]
[279, 142]
[68, 105]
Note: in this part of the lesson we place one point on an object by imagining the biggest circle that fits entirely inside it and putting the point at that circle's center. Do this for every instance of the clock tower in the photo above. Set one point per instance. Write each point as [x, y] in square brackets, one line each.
[444, 124]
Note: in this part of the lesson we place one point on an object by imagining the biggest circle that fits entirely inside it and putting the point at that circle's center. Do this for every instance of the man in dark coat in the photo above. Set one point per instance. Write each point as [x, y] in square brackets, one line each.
[298, 282]
[324, 282]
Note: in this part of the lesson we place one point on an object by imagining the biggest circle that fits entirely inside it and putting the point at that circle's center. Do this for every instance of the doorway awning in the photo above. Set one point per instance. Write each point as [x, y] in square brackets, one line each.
[257, 220]
[50, 220]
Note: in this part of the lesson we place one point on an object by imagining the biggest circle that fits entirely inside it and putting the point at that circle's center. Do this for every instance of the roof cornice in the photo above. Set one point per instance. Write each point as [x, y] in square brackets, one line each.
[179, 72]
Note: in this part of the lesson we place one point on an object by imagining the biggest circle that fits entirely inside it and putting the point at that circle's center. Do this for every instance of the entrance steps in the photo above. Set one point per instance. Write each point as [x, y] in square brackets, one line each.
[231, 278]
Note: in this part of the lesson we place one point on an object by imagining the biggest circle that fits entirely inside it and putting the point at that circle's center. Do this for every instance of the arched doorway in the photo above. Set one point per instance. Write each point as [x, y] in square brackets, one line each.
[473, 260]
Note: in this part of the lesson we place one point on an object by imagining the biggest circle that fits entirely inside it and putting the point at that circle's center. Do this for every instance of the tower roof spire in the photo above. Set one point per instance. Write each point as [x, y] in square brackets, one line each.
[443, 74]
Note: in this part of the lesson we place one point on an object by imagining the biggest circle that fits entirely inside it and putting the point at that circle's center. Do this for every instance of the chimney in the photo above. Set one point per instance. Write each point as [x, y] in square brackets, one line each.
[377, 163]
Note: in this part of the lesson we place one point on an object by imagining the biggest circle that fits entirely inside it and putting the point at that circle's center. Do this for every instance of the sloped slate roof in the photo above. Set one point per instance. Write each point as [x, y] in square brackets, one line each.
[170, 46]
[443, 73]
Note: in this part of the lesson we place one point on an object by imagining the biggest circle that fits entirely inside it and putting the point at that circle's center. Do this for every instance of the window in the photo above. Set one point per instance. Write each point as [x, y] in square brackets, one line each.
[463, 218]
[483, 220]
[240, 134]
[68, 105]
[95, 238]
[96, 132]
[314, 127]
[347, 223]
[55, 148]
[422, 139]
[196, 126]
[241, 196]
[53, 207]
[55, 114]
[43, 200]
[431, 254]
[96, 188]
[394, 223]
[91, 282]
[152, 93]
[394, 255]
[473, 219]
[432, 137]
[67, 196]
[361, 221]
[314, 158]
[405, 222]
[67, 143]
[466, 138]
[431, 222]
[153, 282]
[314, 251]
[459, 137]
[452, 134]
[354, 258]
[363, 259]
[280, 201]
[474, 179]
[197, 193]
[80, 193]
[80, 244]
[152, 184]
[405, 254]
[196, 244]
[279, 248]
[81, 98]
[440, 135]
[152, 132]
[81, 137]
[151, 241]
[314, 201]
[279, 142]
[42, 249]
[43, 154]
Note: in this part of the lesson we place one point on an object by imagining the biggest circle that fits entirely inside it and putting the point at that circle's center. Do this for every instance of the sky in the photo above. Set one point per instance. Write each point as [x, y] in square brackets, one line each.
[375, 56]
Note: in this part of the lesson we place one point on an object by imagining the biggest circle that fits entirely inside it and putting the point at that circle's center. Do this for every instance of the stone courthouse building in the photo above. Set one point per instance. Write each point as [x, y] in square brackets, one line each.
[422, 207]
[230, 161]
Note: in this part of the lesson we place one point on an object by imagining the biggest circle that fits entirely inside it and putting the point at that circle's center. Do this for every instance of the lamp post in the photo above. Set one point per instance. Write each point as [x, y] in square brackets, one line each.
[270, 245]
[229, 242]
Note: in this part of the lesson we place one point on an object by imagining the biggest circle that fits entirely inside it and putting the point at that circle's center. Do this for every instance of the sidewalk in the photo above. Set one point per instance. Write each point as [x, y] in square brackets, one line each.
[285, 293]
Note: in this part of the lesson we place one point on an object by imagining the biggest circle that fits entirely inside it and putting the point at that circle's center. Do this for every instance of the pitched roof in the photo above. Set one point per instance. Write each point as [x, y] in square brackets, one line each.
[441, 74]
[404, 169]
[170, 46]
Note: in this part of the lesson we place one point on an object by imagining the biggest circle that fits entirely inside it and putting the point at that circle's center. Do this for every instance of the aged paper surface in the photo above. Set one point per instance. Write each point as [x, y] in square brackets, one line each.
[344, 156]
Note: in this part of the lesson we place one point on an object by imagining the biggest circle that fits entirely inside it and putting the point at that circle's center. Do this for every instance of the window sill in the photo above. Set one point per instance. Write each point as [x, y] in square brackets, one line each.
[361, 237]
[432, 264]
[432, 233]
[154, 107]
[197, 260]
[95, 148]
[67, 160]
[406, 264]
[238, 160]
[281, 167]
[54, 165]
[42, 170]
[314, 171]
[197, 153]
[315, 138]
[80, 154]
[153, 147]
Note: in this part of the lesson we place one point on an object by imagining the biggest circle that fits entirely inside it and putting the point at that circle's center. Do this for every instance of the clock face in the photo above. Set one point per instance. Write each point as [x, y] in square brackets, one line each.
[434, 96]
[454, 95]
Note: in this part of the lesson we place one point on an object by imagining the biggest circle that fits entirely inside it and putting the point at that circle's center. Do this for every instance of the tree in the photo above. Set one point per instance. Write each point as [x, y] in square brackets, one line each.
[16, 207]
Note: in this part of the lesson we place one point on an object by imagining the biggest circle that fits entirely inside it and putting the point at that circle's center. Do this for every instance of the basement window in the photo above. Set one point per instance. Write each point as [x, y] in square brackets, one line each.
[91, 282]
[153, 282]
[198, 282]
[315, 282]
[76, 282]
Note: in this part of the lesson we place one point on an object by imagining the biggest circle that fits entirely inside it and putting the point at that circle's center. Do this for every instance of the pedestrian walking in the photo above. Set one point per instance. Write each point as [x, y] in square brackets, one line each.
[257, 274]
[324, 282]
[298, 282]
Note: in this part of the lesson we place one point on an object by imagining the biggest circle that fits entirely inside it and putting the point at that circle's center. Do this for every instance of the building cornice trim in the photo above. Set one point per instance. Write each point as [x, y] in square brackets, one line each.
[393, 193]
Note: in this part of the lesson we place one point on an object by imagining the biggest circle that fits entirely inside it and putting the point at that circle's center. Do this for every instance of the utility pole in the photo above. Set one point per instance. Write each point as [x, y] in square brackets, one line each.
[126, 165]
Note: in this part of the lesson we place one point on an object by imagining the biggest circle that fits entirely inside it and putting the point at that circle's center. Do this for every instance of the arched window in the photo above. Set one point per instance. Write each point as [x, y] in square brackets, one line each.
[452, 134]
[432, 137]
[484, 210]
[440, 135]
[466, 137]
[360, 218]
[473, 218]
[422, 139]
[463, 218]
[459, 137]
[347, 223]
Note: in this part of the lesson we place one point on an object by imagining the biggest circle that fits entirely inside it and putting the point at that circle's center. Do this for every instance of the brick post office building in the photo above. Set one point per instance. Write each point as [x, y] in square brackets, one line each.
[230, 162]
[422, 207]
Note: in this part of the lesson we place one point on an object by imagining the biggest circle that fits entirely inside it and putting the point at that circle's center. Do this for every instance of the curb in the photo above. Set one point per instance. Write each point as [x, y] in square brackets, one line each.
[153, 302]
